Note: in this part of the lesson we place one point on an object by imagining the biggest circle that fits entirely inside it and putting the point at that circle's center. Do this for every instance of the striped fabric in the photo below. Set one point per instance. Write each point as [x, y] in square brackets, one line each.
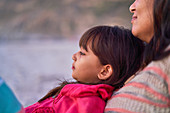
[148, 92]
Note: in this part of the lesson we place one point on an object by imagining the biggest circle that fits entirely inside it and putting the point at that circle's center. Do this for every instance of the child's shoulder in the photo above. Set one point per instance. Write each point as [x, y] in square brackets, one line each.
[44, 105]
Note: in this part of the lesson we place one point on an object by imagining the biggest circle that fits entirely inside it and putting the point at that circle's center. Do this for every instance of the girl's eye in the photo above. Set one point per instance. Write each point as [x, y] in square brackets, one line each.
[81, 53]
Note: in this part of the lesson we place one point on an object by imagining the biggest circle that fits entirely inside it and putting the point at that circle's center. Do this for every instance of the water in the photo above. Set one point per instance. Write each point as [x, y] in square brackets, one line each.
[32, 69]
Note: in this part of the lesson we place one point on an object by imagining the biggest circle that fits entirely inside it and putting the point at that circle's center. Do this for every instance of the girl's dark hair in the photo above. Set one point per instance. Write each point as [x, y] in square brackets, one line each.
[115, 46]
[156, 49]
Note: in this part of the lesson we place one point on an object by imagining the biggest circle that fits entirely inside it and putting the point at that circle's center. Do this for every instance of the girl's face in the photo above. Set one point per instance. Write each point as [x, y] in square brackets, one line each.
[142, 19]
[86, 66]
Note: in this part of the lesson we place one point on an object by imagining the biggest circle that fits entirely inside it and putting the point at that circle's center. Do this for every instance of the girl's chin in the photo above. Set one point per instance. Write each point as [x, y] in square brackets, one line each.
[74, 77]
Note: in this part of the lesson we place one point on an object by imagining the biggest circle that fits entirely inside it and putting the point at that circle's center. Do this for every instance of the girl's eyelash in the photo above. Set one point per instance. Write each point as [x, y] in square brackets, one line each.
[81, 53]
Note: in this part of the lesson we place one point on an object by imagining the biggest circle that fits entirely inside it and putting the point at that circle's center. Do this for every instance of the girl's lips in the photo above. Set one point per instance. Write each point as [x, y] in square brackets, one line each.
[73, 67]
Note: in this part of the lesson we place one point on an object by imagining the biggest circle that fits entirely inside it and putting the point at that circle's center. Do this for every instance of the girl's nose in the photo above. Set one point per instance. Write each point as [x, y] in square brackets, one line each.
[132, 7]
[74, 57]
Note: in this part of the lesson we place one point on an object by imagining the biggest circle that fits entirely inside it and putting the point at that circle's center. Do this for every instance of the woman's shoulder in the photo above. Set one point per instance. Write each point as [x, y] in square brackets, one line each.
[163, 65]
[150, 90]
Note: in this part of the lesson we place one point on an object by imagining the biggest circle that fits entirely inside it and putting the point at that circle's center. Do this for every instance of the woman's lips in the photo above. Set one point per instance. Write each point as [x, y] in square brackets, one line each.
[133, 19]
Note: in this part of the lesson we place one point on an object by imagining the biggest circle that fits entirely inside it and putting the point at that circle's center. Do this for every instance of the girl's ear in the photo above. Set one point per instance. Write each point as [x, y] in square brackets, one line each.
[105, 72]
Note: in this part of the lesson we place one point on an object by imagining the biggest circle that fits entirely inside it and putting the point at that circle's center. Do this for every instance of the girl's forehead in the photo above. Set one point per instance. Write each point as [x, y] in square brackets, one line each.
[86, 48]
[86, 45]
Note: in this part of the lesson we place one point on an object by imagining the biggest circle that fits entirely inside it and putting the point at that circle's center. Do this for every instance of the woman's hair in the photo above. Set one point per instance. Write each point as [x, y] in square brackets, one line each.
[156, 49]
[115, 46]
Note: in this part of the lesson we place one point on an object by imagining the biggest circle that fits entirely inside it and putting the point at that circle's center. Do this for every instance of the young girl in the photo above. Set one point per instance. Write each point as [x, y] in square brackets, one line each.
[108, 56]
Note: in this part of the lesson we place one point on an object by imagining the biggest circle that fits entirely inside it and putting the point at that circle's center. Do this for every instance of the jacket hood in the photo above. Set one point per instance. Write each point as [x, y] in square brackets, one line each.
[81, 90]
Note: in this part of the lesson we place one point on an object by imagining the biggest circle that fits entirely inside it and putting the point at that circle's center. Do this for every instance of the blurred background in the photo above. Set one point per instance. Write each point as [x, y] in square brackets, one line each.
[38, 38]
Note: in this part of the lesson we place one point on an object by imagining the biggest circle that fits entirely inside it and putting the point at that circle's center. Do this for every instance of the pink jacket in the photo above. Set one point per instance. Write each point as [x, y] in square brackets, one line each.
[75, 98]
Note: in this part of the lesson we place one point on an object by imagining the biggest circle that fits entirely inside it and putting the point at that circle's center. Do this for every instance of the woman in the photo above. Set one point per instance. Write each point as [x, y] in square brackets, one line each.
[149, 90]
